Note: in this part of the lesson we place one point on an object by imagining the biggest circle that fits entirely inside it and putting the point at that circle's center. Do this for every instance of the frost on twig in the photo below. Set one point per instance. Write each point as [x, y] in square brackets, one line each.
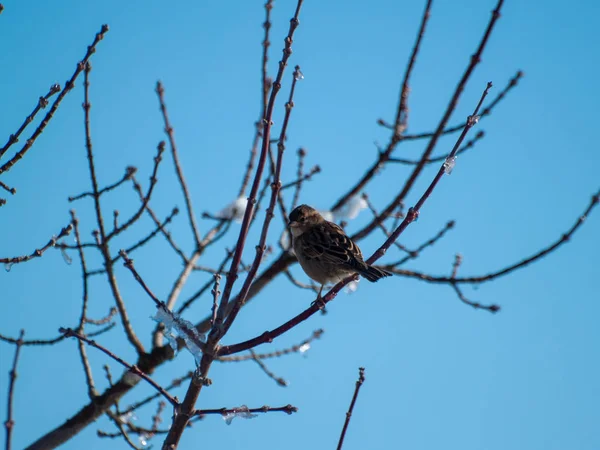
[243, 412]
[177, 327]
[449, 164]
[234, 211]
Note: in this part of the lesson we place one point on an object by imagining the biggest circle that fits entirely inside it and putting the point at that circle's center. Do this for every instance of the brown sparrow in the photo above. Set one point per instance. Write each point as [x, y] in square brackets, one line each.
[324, 251]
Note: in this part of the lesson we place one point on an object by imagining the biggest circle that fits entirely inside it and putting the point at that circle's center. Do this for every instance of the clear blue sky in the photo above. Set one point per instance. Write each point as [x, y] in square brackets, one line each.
[439, 374]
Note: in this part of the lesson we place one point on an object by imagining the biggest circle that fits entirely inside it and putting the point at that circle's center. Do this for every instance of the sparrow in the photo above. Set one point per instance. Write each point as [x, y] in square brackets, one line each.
[324, 251]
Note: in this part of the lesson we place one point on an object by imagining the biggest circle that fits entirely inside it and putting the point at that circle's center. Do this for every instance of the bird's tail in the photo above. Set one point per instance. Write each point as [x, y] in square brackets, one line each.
[373, 274]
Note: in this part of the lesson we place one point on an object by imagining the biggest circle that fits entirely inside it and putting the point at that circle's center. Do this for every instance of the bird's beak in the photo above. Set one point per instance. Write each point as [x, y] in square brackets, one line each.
[293, 224]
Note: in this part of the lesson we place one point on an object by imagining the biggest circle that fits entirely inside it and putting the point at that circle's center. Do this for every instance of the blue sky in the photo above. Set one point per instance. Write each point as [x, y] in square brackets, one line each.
[438, 373]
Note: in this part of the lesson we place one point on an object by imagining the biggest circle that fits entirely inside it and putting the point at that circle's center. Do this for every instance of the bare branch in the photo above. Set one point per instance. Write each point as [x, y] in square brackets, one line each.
[508, 269]
[280, 381]
[411, 216]
[68, 332]
[41, 104]
[129, 172]
[475, 59]
[65, 231]
[186, 194]
[401, 117]
[10, 423]
[359, 383]
[68, 86]
[288, 409]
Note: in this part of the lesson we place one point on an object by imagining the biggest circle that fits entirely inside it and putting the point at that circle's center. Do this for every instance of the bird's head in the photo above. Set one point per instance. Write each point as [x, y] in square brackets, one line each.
[302, 218]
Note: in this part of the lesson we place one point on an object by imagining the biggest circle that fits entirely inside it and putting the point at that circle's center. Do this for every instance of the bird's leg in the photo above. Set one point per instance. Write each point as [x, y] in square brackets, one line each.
[319, 301]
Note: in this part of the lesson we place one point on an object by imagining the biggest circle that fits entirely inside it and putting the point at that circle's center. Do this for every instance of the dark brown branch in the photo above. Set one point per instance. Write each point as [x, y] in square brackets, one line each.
[265, 87]
[205, 287]
[65, 231]
[508, 269]
[147, 239]
[493, 308]
[68, 86]
[52, 341]
[68, 332]
[410, 217]
[175, 383]
[153, 180]
[41, 104]
[288, 409]
[298, 348]
[129, 172]
[275, 187]
[165, 233]
[104, 320]
[186, 194]
[436, 159]
[359, 383]
[475, 59]
[87, 370]
[100, 235]
[280, 381]
[129, 264]
[415, 253]
[10, 423]
[298, 182]
[7, 188]
[187, 407]
[401, 117]
[485, 112]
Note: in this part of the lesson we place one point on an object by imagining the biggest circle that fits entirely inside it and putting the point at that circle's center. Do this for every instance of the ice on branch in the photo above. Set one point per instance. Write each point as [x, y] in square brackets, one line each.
[242, 412]
[472, 120]
[235, 210]
[351, 287]
[304, 348]
[298, 75]
[143, 438]
[351, 209]
[449, 164]
[176, 327]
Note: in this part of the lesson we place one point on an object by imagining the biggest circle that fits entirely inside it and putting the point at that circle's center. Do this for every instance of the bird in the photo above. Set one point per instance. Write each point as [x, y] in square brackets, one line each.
[325, 252]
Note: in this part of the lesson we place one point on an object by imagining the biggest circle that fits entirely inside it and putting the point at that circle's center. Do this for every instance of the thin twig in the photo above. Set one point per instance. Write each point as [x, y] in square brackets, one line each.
[68, 332]
[87, 370]
[401, 117]
[171, 135]
[41, 104]
[129, 264]
[68, 86]
[280, 381]
[508, 269]
[153, 180]
[10, 423]
[100, 235]
[65, 231]
[359, 383]
[436, 159]
[56, 340]
[484, 113]
[288, 409]
[129, 172]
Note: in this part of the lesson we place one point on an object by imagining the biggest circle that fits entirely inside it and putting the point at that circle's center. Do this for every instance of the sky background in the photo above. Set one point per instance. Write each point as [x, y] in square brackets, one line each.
[439, 375]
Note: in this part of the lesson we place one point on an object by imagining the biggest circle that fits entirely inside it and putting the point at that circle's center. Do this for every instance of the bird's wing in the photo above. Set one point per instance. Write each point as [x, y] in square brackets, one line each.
[327, 242]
